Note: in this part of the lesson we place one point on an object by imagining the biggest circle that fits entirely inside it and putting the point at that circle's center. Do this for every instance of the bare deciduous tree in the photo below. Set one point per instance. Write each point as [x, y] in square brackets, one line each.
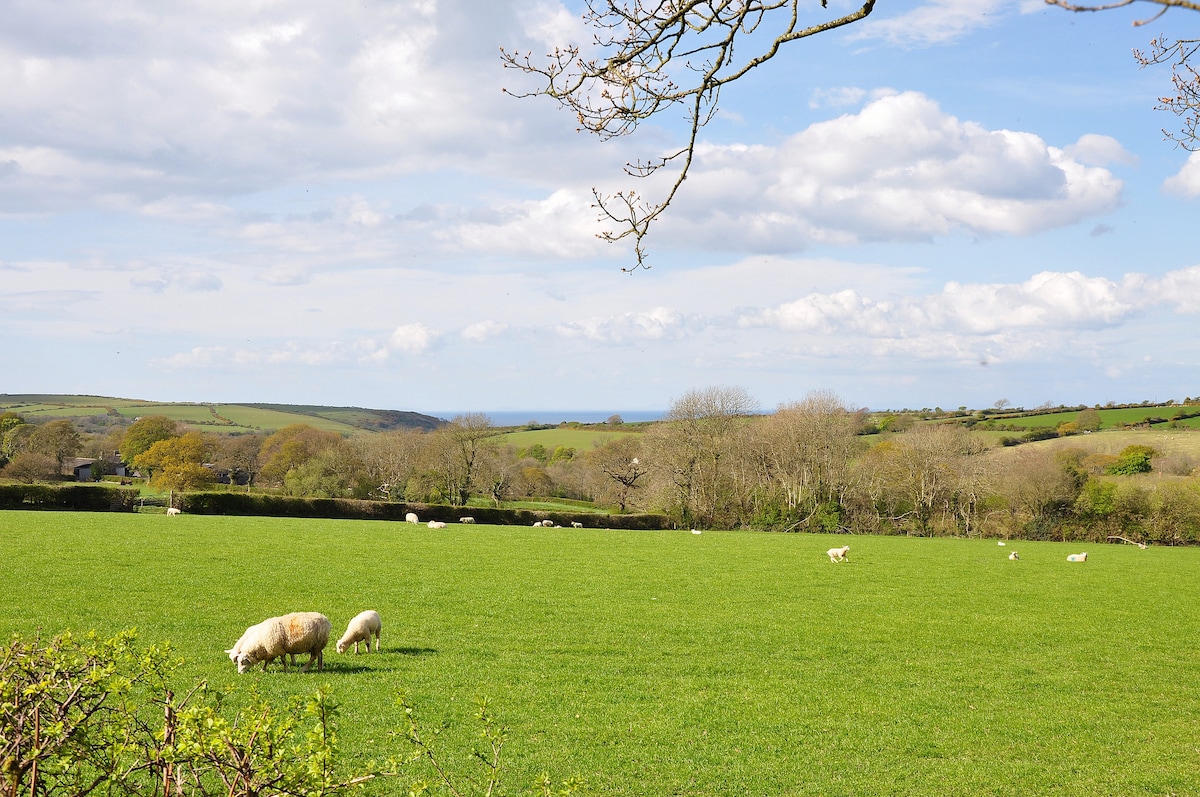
[651, 56]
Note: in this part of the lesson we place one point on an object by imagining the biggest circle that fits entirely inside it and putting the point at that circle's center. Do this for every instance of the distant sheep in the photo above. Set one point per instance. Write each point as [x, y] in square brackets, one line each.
[1001, 542]
[172, 511]
[839, 554]
[466, 520]
[547, 524]
[537, 524]
[279, 637]
[411, 517]
[360, 629]
[1013, 556]
[697, 531]
[1077, 557]
[575, 524]
[436, 524]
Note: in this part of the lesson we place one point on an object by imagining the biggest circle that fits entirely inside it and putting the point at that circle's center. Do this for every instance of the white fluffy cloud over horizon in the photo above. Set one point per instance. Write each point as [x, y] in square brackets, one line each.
[901, 169]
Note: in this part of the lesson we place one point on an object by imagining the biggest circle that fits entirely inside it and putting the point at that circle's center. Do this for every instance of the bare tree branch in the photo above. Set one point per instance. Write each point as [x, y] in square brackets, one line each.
[649, 56]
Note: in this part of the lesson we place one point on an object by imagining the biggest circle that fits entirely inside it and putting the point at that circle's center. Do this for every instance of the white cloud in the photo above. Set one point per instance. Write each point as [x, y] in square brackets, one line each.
[482, 330]
[901, 169]
[655, 324]
[933, 22]
[412, 338]
[1097, 150]
[1186, 182]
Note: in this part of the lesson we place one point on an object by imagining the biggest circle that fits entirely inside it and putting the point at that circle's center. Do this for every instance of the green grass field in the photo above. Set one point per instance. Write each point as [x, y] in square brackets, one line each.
[658, 663]
[579, 439]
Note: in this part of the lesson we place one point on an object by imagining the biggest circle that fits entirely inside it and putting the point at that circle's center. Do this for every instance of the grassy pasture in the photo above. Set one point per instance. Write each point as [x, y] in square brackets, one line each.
[657, 663]
[579, 439]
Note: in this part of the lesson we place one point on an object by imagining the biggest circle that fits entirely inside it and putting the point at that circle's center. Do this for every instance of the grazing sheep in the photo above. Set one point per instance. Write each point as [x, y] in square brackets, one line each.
[360, 630]
[575, 524]
[839, 554]
[172, 511]
[1013, 556]
[466, 520]
[548, 524]
[436, 524]
[1077, 557]
[537, 524]
[411, 517]
[279, 637]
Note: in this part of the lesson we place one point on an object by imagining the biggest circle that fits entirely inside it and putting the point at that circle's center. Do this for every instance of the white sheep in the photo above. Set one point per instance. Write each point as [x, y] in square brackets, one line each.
[549, 524]
[466, 520]
[172, 511]
[279, 637]
[575, 524]
[839, 554]
[436, 524]
[1013, 556]
[1077, 557]
[697, 531]
[1001, 542]
[411, 517]
[537, 524]
[360, 630]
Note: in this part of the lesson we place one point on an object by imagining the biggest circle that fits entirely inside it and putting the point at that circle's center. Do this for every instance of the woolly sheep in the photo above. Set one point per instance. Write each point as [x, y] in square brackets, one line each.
[360, 630]
[575, 524]
[548, 524]
[1077, 557]
[466, 520]
[1013, 556]
[697, 531]
[1001, 542]
[279, 637]
[436, 524]
[172, 511]
[411, 517]
[839, 554]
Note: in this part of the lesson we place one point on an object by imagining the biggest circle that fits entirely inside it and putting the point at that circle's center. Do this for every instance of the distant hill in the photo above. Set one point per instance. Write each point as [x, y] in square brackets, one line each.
[221, 418]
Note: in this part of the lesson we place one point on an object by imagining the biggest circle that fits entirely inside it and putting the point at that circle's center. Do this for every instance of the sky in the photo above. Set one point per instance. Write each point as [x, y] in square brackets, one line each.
[951, 203]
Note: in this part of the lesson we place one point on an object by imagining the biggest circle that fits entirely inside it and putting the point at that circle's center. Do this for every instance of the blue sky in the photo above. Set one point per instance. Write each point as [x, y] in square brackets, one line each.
[950, 203]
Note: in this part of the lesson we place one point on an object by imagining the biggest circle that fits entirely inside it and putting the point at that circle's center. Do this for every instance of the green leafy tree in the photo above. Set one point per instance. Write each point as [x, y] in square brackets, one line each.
[1088, 420]
[57, 440]
[177, 463]
[291, 447]
[145, 432]
[1131, 461]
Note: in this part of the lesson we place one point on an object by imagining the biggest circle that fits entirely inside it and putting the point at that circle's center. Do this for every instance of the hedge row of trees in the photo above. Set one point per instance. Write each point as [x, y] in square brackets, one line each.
[715, 462]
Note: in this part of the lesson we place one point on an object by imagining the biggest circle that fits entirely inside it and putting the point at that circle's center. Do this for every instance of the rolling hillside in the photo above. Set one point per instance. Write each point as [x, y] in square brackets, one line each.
[226, 418]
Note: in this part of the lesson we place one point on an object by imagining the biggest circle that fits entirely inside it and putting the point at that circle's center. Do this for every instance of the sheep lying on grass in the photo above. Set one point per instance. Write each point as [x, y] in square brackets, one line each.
[839, 554]
[279, 637]
[1077, 557]
[436, 524]
[411, 517]
[1001, 542]
[360, 630]
[1013, 556]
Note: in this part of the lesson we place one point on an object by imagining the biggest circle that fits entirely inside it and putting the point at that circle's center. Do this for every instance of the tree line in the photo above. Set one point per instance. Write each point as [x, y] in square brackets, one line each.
[714, 461]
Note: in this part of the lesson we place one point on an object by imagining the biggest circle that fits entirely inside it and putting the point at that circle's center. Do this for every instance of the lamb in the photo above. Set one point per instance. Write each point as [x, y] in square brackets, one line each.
[1013, 556]
[411, 517]
[839, 554]
[466, 520]
[1077, 557]
[436, 524]
[172, 511]
[279, 637]
[575, 524]
[360, 630]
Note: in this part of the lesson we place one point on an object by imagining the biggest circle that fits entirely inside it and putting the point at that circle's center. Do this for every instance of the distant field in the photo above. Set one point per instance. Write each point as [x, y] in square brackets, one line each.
[1112, 441]
[260, 419]
[666, 663]
[579, 439]
[1108, 418]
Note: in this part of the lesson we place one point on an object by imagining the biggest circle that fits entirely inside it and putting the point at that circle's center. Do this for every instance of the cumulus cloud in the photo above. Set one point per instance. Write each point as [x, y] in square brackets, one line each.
[1186, 182]
[655, 324]
[482, 330]
[412, 338]
[1097, 150]
[900, 169]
